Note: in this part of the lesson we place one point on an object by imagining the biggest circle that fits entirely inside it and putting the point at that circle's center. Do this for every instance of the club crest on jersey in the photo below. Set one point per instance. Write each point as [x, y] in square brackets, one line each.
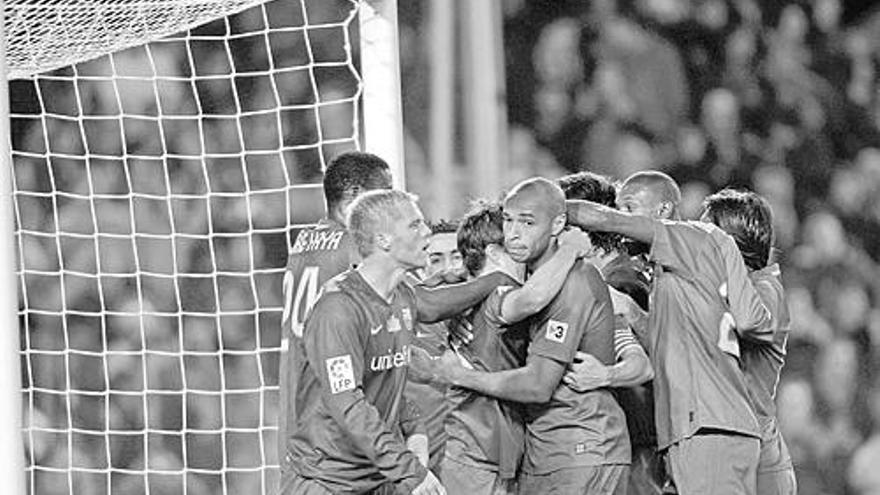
[340, 373]
[556, 331]
[393, 324]
[407, 318]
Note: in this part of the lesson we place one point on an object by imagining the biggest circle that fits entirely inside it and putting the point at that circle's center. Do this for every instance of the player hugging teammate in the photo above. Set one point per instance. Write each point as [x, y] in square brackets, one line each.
[564, 364]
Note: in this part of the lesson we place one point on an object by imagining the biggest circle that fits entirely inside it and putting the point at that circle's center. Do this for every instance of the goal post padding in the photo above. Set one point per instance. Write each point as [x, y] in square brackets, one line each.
[156, 190]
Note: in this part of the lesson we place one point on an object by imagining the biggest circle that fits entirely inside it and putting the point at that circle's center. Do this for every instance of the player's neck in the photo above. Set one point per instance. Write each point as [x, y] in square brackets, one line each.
[381, 274]
[548, 253]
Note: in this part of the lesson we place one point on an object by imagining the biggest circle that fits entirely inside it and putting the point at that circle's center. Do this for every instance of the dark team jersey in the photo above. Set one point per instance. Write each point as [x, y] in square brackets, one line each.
[430, 398]
[318, 254]
[763, 361]
[483, 431]
[349, 397]
[701, 297]
[575, 429]
[627, 275]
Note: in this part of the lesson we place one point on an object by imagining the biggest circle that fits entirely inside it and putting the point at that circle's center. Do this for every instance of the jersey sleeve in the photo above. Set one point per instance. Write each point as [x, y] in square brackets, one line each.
[335, 351]
[770, 290]
[677, 245]
[557, 334]
[753, 320]
[493, 304]
[624, 339]
[411, 420]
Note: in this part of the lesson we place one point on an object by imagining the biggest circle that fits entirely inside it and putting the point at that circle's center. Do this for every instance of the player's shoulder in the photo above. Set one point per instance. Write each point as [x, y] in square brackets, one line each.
[584, 273]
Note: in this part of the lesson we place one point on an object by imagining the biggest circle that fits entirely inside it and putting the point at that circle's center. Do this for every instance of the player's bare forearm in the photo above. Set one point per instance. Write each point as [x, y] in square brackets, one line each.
[593, 216]
[541, 287]
[446, 301]
[533, 383]
[633, 369]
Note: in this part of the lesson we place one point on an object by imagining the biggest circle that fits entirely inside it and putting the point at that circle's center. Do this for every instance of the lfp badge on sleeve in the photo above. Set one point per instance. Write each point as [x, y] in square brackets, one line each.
[340, 373]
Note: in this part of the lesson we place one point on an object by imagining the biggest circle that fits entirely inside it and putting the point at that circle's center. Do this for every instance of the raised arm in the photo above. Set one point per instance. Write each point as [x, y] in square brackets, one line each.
[594, 216]
[446, 301]
[333, 346]
[543, 285]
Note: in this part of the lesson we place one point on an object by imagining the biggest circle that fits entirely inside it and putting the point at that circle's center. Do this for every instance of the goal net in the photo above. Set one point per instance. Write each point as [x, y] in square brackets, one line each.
[156, 190]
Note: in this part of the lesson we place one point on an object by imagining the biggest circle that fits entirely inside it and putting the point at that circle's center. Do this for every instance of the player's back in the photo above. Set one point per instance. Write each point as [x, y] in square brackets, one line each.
[575, 429]
[318, 254]
[698, 382]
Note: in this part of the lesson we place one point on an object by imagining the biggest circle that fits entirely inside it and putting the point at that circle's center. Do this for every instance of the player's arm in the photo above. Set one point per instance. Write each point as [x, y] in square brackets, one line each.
[446, 301]
[754, 321]
[594, 216]
[335, 351]
[534, 382]
[632, 367]
[543, 285]
[413, 428]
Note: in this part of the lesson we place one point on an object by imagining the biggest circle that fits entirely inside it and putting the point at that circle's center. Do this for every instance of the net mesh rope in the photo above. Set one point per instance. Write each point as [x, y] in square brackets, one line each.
[156, 192]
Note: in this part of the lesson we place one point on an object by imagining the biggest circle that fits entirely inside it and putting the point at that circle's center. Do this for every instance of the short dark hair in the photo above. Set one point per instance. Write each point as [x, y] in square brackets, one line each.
[481, 226]
[598, 189]
[443, 227]
[747, 217]
[351, 173]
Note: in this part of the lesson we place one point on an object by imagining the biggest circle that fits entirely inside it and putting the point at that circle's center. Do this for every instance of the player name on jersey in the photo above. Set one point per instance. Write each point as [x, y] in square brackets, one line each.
[317, 240]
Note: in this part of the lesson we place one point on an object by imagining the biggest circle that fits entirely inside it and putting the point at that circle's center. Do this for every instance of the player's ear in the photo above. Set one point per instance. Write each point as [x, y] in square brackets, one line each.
[558, 223]
[382, 241]
[665, 209]
[492, 251]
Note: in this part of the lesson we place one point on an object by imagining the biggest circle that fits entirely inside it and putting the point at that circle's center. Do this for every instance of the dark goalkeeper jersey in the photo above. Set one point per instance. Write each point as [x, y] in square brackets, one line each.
[701, 298]
[483, 431]
[575, 429]
[349, 397]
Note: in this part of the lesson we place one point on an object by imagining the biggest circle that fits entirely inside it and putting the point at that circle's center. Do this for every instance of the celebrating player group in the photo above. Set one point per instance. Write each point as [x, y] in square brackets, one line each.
[575, 337]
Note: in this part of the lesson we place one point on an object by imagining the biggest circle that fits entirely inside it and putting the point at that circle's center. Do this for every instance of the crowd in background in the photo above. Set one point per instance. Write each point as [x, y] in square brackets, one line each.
[779, 96]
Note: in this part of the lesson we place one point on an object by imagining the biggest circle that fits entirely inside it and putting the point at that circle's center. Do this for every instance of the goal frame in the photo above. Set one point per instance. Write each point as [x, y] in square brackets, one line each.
[382, 134]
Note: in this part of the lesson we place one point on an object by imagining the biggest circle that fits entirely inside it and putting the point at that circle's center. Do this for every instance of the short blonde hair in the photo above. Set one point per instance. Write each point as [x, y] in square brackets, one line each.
[373, 213]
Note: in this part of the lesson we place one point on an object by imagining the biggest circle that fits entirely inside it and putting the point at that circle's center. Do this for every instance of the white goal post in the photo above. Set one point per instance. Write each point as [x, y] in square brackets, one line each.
[163, 154]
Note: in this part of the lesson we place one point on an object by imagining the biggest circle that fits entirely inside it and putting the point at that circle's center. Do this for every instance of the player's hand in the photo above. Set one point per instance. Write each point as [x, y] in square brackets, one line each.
[577, 239]
[586, 373]
[429, 486]
[423, 367]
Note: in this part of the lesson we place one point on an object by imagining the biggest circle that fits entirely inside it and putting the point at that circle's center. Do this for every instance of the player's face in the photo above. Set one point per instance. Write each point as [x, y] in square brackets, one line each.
[528, 227]
[639, 200]
[443, 253]
[410, 234]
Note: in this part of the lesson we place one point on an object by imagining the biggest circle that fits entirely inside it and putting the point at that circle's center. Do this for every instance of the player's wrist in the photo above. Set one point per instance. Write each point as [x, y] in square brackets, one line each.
[610, 376]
